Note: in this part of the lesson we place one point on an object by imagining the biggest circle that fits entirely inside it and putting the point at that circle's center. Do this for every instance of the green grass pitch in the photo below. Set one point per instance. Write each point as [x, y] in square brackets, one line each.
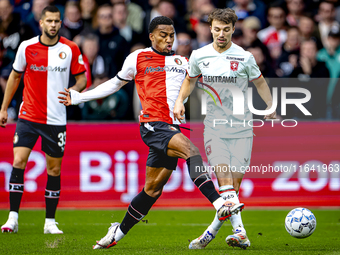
[167, 232]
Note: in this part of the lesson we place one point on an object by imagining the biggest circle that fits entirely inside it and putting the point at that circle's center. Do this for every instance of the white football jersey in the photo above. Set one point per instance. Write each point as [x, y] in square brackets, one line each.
[221, 74]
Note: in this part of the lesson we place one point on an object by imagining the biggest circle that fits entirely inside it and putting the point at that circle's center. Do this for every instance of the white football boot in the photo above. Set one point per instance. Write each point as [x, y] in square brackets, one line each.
[202, 241]
[11, 226]
[108, 240]
[238, 239]
[228, 209]
[51, 228]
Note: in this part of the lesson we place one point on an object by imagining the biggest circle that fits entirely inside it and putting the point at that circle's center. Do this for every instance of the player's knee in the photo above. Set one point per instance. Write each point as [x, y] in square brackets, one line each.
[194, 150]
[19, 162]
[54, 171]
[153, 192]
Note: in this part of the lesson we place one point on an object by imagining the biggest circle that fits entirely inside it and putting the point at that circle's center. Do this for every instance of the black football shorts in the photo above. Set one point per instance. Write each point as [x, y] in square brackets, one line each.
[156, 135]
[53, 138]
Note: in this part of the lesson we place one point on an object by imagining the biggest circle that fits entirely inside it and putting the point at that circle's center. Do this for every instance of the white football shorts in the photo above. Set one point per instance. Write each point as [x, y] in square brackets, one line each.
[235, 152]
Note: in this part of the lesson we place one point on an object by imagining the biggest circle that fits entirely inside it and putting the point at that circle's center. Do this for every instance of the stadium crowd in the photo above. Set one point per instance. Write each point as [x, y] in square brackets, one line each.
[295, 43]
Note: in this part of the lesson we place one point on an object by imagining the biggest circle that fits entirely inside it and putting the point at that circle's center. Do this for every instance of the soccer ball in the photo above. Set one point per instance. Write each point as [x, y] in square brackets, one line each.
[300, 223]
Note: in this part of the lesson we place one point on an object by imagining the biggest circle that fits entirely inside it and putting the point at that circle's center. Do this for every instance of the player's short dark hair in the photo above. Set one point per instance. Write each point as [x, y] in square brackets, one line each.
[49, 8]
[225, 15]
[160, 20]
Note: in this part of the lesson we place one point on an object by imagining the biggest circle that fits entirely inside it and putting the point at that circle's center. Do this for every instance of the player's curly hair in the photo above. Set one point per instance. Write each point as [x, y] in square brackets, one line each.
[225, 15]
[160, 20]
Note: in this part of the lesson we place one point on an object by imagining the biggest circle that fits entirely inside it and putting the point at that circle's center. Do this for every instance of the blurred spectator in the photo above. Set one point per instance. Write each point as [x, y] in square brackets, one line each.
[289, 53]
[274, 35]
[72, 23]
[12, 31]
[96, 63]
[264, 65]
[326, 18]
[238, 37]
[198, 9]
[308, 30]
[203, 34]
[120, 14]
[295, 10]
[33, 18]
[167, 8]
[267, 72]
[331, 56]
[308, 72]
[136, 14]
[88, 9]
[112, 46]
[113, 107]
[184, 47]
[250, 27]
[246, 8]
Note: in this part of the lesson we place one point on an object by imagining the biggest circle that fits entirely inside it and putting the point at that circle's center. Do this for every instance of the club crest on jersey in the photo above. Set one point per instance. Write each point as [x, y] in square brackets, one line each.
[178, 61]
[62, 55]
[233, 65]
[208, 150]
[172, 128]
[16, 138]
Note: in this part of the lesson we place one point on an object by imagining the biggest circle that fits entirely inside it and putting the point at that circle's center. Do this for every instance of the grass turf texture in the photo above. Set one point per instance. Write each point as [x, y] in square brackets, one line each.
[167, 232]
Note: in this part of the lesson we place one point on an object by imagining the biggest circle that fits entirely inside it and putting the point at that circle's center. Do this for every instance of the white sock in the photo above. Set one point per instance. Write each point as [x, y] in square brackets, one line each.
[230, 195]
[14, 215]
[215, 225]
[218, 203]
[119, 235]
[48, 220]
[212, 230]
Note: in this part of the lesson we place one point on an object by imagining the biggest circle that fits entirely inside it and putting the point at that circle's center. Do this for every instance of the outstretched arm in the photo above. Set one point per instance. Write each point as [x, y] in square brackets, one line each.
[264, 92]
[72, 97]
[187, 87]
[11, 88]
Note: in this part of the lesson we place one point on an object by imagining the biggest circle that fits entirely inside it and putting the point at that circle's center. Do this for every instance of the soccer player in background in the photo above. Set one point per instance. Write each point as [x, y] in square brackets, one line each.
[228, 147]
[158, 74]
[46, 61]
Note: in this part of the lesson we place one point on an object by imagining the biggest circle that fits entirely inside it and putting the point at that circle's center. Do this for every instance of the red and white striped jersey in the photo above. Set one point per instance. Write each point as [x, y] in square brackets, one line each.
[47, 70]
[158, 78]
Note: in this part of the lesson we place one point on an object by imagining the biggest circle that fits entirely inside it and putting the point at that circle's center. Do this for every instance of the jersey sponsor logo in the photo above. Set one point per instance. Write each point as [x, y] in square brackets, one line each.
[178, 61]
[151, 69]
[48, 68]
[62, 55]
[234, 58]
[233, 65]
[34, 54]
[147, 57]
[221, 79]
[80, 59]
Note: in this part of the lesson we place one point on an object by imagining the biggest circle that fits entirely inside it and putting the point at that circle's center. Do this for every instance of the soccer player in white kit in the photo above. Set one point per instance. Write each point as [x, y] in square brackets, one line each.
[225, 68]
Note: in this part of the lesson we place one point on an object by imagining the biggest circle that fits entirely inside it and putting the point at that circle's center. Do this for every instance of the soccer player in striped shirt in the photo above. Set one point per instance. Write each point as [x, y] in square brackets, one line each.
[46, 61]
[158, 74]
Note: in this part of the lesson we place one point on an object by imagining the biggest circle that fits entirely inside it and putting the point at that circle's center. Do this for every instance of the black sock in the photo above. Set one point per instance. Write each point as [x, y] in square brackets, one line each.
[16, 188]
[199, 176]
[138, 208]
[52, 194]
